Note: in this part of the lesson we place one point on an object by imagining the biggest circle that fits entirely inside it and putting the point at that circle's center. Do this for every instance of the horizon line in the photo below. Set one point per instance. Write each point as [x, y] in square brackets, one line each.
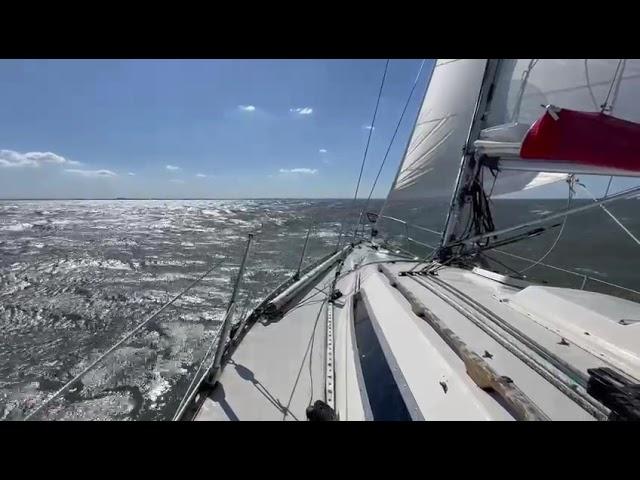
[2, 199]
[183, 198]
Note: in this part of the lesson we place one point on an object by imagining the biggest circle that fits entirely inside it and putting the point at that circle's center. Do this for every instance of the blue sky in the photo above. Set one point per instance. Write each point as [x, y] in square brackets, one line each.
[187, 128]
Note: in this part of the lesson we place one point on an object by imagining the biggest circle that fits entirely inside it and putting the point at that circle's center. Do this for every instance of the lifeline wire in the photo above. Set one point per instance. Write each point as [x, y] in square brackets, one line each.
[124, 339]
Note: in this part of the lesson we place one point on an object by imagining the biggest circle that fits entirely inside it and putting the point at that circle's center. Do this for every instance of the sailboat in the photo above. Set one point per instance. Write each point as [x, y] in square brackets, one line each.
[392, 326]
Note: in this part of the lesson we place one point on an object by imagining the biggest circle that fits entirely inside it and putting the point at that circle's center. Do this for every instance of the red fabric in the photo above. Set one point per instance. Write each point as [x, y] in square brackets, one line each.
[587, 138]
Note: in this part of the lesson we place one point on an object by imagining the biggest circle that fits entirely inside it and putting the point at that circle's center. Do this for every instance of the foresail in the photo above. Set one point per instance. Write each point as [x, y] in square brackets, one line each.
[427, 175]
[434, 152]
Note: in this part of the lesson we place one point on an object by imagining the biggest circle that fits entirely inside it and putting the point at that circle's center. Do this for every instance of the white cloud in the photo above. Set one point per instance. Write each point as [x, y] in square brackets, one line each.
[9, 158]
[302, 110]
[91, 173]
[201, 175]
[307, 171]
[369, 127]
[247, 108]
[322, 150]
[131, 173]
[172, 167]
[176, 180]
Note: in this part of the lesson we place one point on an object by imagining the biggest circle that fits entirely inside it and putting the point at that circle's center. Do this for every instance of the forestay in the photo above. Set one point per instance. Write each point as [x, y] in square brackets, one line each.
[427, 174]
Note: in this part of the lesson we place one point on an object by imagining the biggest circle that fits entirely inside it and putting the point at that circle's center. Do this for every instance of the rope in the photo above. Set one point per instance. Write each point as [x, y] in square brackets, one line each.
[393, 137]
[124, 339]
[577, 274]
[304, 359]
[480, 219]
[564, 222]
[366, 150]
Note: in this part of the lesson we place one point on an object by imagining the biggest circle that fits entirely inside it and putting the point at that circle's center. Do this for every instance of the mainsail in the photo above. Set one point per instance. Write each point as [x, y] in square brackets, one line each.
[524, 86]
[600, 96]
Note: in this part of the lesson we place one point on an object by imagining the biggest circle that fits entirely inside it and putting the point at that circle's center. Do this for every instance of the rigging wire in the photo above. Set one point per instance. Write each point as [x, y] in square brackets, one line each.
[606, 193]
[511, 269]
[586, 76]
[187, 396]
[393, 137]
[570, 181]
[617, 88]
[523, 86]
[615, 219]
[123, 340]
[604, 107]
[198, 379]
[366, 150]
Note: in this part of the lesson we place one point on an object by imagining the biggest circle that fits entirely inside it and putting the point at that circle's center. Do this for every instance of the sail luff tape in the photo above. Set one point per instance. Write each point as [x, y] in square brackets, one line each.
[479, 371]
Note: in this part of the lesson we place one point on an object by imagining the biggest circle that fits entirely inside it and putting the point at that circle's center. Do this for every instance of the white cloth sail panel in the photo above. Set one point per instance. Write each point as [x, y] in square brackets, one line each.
[514, 181]
[426, 178]
[430, 166]
[524, 86]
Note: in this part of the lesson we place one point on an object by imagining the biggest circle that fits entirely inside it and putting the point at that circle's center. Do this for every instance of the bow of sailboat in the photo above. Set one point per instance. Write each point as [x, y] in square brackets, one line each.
[400, 326]
[405, 340]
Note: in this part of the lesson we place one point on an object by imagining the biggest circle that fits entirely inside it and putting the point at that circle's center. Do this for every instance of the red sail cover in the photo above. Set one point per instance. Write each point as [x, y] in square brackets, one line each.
[588, 138]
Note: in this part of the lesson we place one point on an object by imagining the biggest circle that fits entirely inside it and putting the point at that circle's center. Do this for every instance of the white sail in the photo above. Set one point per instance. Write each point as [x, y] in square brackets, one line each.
[521, 88]
[427, 175]
[432, 160]
[524, 86]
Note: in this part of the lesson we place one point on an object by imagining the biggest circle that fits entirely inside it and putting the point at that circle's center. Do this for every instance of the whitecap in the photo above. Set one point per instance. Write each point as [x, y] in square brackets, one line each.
[20, 227]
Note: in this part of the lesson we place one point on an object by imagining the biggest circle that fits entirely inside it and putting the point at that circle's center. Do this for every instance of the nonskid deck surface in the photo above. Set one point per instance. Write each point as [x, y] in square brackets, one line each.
[279, 368]
[532, 347]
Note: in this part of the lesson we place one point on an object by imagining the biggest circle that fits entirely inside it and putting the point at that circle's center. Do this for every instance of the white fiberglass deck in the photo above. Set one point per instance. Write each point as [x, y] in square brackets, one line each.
[543, 339]
[278, 368]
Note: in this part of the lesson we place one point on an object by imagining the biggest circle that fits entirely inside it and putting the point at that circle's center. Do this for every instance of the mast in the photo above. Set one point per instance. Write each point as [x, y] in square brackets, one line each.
[468, 164]
[534, 117]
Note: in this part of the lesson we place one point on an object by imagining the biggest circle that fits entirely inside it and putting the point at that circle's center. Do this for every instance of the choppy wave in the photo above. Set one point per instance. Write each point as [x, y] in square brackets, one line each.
[75, 276]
